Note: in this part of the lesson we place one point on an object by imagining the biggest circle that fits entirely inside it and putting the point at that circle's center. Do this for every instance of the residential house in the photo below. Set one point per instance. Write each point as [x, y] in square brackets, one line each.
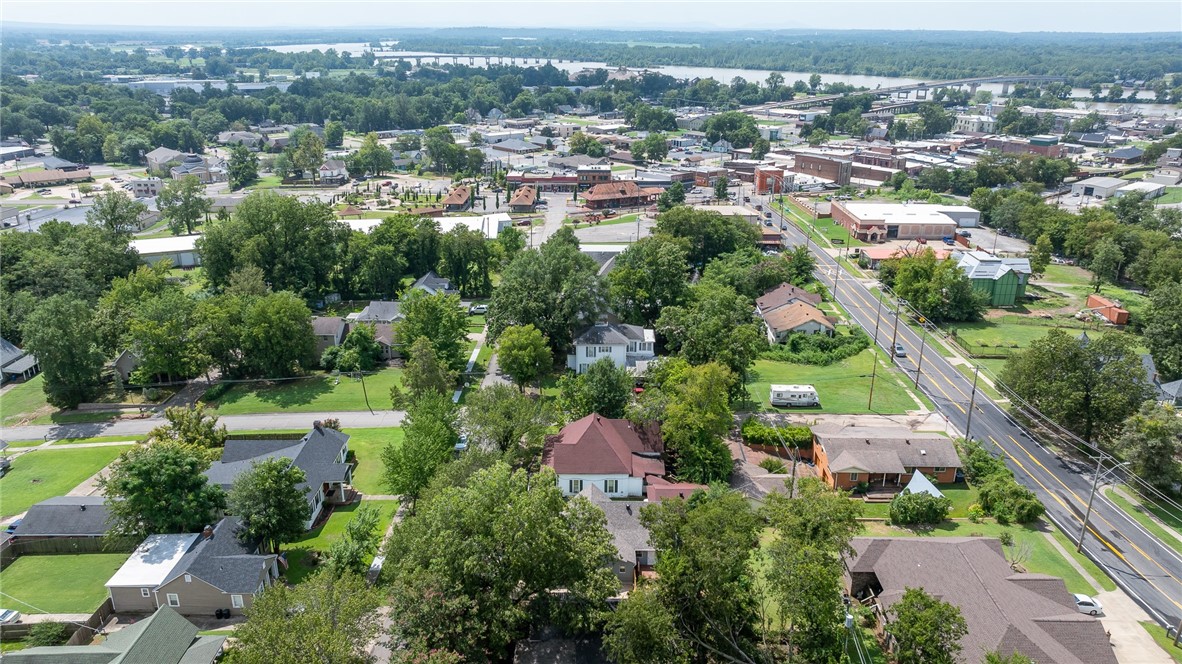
[434, 284]
[161, 160]
[458, 200]
[634, 554]
[320, 453]
[847, 456]
[524, 199]
[126, 364]
[378, 311]
[783, 295]
[164, 637]
[207, 169]
[333, 171]
[620, 194]
[383, 333]
[65, 517]
[196, 574]
[16, 364]
[615, 456]
[1002, 279]
[799, 317]
[329, 331]
[1170, 393]
[1005, 610]
[629, 346]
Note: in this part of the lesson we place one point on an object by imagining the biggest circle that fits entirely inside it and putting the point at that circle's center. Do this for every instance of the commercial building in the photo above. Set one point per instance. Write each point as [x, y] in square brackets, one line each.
[876, 222]
[619, 194]
[1098, 187]
[834, 169]
[181, 250]
[593, 174]
[975, 124]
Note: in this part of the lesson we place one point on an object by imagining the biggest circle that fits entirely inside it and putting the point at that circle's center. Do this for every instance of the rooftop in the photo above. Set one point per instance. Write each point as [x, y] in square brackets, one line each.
[614, 333]
[152, 561]
[883, 449]
[598, 445]
[65, 516]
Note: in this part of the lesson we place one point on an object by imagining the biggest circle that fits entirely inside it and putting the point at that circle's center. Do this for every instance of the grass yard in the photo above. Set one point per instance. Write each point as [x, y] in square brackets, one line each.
[304, 554]
[1162, 639]
[1172, 195]
[824, 230]
[961, 494]
[366, 445]
[25, 404]
[844, 387]
[313, 394]
[1044, 559]
[59, 583]
[1077, 282]
[1140, 510]
[40, 474]
[266, 182]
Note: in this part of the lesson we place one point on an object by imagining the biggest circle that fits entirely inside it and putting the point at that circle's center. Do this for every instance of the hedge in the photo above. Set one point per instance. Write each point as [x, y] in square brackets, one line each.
[755, 432]
[818, 349]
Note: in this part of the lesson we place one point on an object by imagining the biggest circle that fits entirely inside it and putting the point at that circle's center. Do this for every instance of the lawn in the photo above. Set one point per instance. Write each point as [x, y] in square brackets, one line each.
[1043, 559]
[40, 474]
[1162, 639]
[304, 554]
[961, 494]
[824, 229]
[321, 393]
[1077, 282]
[366, 445]
[844, 387]
[1137, 509]
[59, 583]
[1172, 195]
[1011, 331]
[25, 404]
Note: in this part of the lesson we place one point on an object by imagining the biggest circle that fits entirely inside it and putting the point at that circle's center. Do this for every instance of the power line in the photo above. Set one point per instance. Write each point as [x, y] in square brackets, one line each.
[40, 610]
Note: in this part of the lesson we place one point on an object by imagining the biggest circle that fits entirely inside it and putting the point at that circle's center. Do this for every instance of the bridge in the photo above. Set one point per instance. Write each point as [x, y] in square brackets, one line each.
[457, 59]
[921, 91]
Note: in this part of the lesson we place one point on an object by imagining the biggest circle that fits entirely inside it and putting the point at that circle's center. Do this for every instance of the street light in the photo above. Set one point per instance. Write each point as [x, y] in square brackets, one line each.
[1091, 497]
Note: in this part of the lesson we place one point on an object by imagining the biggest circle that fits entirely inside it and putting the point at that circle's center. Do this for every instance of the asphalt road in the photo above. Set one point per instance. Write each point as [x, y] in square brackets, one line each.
[1148, 570]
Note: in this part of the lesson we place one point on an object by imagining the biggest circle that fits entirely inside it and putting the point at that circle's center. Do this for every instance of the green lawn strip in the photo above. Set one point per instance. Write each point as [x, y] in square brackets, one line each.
[982, 386]
[302, 554]
[320, 393]
[366, 445]
[1172, 195]
[844, 387]
[1162, 639]
[1044, 559]
[1138, 510]
[97, 439]
[1105, 581]
[23, 400]
[482, 358]
[13, 646]
[216, 632]
[961, 494]
[59, 583]
[76, 418]
[40, 474]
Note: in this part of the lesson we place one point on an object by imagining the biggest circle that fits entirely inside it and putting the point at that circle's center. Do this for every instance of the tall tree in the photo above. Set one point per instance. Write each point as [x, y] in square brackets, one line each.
[192, 427]
[334, 134]
[717, 325]
[1163, 329]
[271, 502]
[160, 488]
[243, 167]
[115, 212]
[358, 352]
[1107, 262]
[647, 277]
[429, 441]
[940, 290]
[440, 319]
[696, 415]
[60, 333]
[183, 203]
[425, 372]
[523, 353]
[604, 389]
[502, 419]
[708, 233]
[277, 339]
[352, 552]
[1041, 257]
[327, 618]
[466, 258]
[374, 157]
[1151, 440]
[926, 630]
[308, 154]
[451, 598]
[817, 516]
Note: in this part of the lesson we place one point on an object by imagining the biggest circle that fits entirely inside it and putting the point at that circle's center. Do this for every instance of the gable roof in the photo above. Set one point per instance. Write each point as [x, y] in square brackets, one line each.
[980, 265]
[1006, 611]
[316, 453]
[526, 195]
[163, 154]
[65, 516]
[614, 334]
[333, 165]
[223, 561]
[623, 522]
[792, 316]
[380, 311]
[165, 637]
[597, 445]
[433, 283]
[327, 325]
[9, 352]
[784, 294]
[608, 191]
[458, 196]
[1130, 152]
[883, 449]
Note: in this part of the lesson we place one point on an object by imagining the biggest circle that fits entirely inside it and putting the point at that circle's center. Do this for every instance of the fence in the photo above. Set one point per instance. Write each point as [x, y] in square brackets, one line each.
[15, 547]
[983, 352]
[83, 631]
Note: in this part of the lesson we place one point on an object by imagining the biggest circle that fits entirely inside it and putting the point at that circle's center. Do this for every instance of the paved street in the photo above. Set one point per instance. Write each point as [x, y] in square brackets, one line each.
[1144, 567]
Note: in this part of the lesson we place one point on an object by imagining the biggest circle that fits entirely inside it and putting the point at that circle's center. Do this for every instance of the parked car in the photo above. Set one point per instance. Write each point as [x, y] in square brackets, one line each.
[116, 179]
[964, 233]
[75, 201]
[12, 527]
[477, 309]
[9, 616]
[900, 350]
[1088, 605]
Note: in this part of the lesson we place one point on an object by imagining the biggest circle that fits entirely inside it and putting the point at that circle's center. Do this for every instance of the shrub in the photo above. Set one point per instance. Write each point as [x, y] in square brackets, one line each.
[912, 508]
[216, 392]
[1009, 501]
[818, 349]
[773, 466]
[47, 634]
[976, 513]
[755, 432]
[979, 464]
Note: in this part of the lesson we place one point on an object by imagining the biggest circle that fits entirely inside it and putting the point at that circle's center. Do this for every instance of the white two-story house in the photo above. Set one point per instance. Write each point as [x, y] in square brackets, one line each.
[614, 456]
[629, 346]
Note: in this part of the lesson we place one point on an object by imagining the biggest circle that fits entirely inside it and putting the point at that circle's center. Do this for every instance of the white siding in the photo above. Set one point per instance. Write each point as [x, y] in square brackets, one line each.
[628, 486]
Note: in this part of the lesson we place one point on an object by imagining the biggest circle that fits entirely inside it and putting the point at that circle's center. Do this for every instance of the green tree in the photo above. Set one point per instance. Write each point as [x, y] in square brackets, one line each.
[603, 389]
[270, 501]
[1107, 261]
[655, 147]
[926, 630]
[1015, 657]
[722, 188]
[717, 325]
[940, 290]
[696, 416]
[1041, 258]
[909, 508]
[47, 634]
[277, 337]
[648, 276]
[524, 354]
[500, 418]
[160, 488]
[334, 134]
[426, 372]
[183, 203]
[1089, 386]
[818, 516]
[326, 618]
[760, 148]
[642, 630]
[805, 582]
[1163, 329]
[451, 598]
[466, 258]
[707, 234]
[429, 441]
[193, 427]
[671, 197]
[159, 331]
[243, 167]
[374, 157]
[814, 82]
[352, 552]
[61, 334]
[115, 212]
[358, 352]
[440, 319]
[308, 154]
[580, 143]
[1151, 440]
[818, 137]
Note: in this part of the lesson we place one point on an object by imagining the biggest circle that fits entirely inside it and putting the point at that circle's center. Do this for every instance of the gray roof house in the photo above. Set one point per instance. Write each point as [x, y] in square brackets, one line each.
[16, 364]
[378, 311]
[329, 331]
[433, 283]
[629, 346]
[160, 159]
[165, 637]
[65, 516]
[634, 554]
[320, 453]
[1170, 393]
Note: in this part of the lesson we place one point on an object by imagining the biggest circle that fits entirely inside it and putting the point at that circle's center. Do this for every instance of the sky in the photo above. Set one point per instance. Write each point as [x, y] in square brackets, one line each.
[1004, 15]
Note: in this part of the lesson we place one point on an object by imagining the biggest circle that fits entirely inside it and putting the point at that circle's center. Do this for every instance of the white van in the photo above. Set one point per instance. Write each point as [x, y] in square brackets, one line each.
[794, 395]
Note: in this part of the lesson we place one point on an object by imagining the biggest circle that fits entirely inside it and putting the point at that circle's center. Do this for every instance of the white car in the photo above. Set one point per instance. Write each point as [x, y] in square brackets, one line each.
[1088, 605]
[478, 309]
[8, 616]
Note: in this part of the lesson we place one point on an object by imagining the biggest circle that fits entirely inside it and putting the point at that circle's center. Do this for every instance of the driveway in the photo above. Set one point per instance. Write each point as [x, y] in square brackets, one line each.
[1131, 643]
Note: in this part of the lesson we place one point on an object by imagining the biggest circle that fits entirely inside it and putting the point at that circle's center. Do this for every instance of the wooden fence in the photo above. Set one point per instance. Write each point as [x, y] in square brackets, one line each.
[15, 547]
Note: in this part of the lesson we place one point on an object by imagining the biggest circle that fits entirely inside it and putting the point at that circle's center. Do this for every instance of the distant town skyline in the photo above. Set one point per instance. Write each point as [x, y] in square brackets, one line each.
[1110, 16]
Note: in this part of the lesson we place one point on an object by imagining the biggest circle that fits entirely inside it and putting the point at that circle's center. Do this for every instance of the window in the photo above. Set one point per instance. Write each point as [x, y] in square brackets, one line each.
[575, 486]
[605, 349]
[631, 346]
[590, 351]
[853, 477]
[939, 469]
[144, 592]
[236, 601]
[188, 578]
[611, 486]
[174, 600]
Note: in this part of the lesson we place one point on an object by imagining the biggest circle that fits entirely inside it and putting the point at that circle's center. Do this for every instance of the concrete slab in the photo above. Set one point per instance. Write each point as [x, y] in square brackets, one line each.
[1130, 642]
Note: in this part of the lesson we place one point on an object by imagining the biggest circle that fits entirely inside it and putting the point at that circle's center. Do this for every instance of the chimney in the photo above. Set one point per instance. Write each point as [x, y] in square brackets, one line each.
[207, 533]
[318, 426]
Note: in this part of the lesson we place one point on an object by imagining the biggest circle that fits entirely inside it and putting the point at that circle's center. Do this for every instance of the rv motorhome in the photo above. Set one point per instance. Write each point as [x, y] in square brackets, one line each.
[794, 395]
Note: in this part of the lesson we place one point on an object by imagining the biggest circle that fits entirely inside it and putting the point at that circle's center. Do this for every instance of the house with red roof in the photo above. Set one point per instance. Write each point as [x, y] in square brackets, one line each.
[617, 457]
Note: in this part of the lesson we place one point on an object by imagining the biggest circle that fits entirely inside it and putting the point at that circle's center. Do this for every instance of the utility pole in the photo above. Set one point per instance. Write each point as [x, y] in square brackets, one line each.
[895, 332]
[972, 400]
[923, 338]
[1092, 496]
[874, 360]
